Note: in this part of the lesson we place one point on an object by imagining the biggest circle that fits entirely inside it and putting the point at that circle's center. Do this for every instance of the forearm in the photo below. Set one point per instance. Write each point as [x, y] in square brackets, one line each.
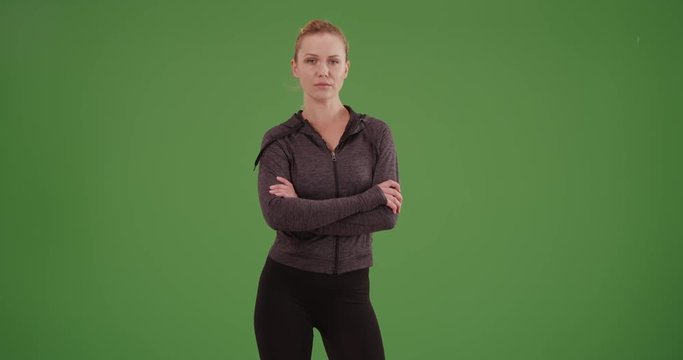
[297, 214]
[377, 219]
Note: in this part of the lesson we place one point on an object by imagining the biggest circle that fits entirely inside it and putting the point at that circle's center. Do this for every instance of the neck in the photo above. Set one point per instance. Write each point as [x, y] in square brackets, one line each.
[323, 112]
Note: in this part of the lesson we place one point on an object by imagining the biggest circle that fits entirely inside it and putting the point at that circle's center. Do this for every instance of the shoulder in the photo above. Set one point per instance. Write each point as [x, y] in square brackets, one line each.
[274, 133]
[377, 127]
[278, 131]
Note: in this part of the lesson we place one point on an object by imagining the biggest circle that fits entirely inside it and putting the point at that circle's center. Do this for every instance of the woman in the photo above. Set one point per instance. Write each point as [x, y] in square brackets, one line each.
[328, 178]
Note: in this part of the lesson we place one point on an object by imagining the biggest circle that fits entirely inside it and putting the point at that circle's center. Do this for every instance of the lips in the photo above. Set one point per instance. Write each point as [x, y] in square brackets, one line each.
[323, 84]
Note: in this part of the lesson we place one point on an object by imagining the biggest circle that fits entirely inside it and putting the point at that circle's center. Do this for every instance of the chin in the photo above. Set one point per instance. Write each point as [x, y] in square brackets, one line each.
[326, 96]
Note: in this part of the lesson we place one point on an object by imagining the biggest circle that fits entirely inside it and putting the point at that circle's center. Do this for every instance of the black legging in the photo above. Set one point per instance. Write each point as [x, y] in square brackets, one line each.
[290, 302]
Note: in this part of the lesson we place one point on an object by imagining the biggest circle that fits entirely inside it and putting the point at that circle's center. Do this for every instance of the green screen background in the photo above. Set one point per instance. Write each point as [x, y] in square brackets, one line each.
[539, 145]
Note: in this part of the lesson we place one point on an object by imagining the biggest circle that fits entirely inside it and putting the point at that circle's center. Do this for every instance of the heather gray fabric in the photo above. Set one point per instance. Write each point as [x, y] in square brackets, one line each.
[328, 228]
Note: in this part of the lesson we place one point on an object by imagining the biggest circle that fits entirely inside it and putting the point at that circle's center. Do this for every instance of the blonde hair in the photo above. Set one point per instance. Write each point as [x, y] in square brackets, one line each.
[318, 26]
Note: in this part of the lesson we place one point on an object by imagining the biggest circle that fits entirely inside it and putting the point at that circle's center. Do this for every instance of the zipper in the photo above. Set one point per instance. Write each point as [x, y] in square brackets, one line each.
[335, 269]
[336, 187]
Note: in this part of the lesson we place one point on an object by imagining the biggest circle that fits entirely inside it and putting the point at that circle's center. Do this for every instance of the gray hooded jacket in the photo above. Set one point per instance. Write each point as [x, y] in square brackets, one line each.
[328, 227]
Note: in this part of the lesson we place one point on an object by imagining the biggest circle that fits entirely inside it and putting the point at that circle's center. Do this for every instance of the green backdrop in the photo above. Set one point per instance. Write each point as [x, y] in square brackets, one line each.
[539, 145]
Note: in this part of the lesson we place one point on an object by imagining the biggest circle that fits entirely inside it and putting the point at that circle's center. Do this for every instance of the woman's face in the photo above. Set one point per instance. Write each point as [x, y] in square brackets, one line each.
[321, 60]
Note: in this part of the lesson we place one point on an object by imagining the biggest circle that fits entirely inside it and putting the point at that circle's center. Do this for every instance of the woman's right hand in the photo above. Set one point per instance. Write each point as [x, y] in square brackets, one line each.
[392, 191]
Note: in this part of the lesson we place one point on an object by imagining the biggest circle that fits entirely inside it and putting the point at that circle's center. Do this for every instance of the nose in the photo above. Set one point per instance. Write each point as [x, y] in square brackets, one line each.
[323, 71]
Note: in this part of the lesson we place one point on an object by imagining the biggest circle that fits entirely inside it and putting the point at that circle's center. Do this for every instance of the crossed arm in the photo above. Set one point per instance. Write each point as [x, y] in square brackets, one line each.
[362, 213]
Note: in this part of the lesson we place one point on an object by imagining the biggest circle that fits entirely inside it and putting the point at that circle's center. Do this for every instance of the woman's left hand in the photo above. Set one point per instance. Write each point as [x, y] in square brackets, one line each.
[285, 190]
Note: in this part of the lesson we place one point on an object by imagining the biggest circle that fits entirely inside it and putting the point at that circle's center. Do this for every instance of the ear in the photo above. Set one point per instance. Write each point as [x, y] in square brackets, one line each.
[294, 68]
[346, 70]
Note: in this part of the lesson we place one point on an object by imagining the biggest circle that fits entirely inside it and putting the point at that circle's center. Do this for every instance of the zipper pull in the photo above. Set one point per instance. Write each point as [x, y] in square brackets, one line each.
[334, 157]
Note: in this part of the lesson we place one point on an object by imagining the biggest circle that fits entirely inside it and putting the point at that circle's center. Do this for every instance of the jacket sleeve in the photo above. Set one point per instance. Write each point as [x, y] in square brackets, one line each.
[379, 218]
[297, 214]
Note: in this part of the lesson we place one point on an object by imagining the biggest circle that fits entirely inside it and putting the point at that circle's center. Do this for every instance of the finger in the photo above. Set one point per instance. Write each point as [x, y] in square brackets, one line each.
[392, 206]
[282, 187]
[397, 202]
[393, 192]
[397, 194]
[284, 180]
[394, 184]
[391, 184]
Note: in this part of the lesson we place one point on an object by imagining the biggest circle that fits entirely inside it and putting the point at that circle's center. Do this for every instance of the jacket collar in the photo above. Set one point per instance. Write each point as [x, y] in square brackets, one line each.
[298, 123]
[356, 122]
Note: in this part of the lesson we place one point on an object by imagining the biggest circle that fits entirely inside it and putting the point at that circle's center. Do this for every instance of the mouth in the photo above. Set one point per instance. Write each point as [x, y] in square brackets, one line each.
[323, 85]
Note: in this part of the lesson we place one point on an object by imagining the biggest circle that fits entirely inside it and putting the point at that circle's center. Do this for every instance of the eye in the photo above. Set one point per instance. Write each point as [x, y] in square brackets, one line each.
[335, 61]
[309, 60]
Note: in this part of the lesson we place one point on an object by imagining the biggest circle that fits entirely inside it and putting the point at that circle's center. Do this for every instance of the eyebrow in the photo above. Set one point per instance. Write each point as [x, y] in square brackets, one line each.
[317, 55]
